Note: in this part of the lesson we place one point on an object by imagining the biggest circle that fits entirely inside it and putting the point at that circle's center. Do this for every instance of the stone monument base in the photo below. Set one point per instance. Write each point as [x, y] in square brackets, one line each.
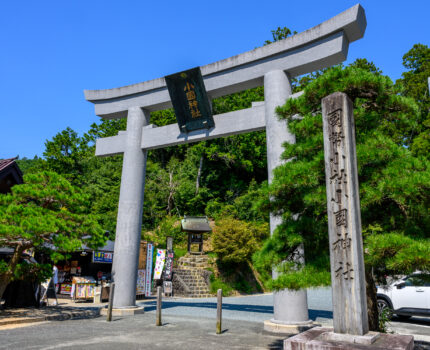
[324, 339]
[124, 312]
[282, 328]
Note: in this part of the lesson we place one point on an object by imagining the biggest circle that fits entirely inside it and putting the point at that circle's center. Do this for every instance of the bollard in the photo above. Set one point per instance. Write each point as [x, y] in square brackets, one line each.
[111, 291]
[158, 312]
[219, 311]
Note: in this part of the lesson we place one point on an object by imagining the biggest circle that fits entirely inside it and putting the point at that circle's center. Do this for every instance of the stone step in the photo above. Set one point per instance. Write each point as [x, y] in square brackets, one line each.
[195, 257]
[199, 295]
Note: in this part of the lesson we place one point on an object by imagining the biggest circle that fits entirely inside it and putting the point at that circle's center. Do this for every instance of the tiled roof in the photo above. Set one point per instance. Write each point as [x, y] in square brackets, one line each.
[4, 163]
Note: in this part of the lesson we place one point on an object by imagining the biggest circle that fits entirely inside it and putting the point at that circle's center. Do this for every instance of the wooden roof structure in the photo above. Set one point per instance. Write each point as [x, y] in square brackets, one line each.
[10, 174]
[195, 224]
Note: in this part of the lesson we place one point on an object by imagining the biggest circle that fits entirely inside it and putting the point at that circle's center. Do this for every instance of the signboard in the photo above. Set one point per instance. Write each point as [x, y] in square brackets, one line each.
[102, 257]
[148, 274]
[168, 271]
[167, 287]
[190, 101]
[66, 288]
[169, 243]
[159, 263]
[140, 285]
[142, 256]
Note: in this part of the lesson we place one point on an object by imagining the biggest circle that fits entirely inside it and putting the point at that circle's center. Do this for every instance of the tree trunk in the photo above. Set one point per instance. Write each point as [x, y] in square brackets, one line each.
[171, 192]
[372, 304]
[4, 281]
[6, 277]
[199, 174]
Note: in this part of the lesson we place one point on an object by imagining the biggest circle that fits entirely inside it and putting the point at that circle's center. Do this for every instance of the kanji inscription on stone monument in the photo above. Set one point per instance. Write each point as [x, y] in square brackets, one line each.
[344, 221]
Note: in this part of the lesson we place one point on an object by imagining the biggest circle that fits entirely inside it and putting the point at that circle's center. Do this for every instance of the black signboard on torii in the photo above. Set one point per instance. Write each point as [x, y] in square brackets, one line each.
[190, 101]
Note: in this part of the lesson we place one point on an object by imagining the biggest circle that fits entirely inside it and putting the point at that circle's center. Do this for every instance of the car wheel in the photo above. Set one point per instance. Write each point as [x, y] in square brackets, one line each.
[384, 309]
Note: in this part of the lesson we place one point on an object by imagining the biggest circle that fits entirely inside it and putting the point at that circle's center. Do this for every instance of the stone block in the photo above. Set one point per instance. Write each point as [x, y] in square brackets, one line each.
[322, 339]
[124, 311]
[288, 329]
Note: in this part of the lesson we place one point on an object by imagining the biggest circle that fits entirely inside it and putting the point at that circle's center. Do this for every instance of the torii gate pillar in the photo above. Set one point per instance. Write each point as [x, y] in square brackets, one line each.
[290, 307]
[130, 206]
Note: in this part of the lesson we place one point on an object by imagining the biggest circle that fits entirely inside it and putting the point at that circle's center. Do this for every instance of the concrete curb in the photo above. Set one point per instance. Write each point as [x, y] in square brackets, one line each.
[21, 320]
[62, 315]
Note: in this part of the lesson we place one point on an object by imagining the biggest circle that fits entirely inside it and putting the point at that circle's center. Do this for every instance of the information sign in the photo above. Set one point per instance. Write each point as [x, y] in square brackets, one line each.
[168, 271]
[140, 285]
[148, 274]
[159, 263]
[102, 257]
[190, 101]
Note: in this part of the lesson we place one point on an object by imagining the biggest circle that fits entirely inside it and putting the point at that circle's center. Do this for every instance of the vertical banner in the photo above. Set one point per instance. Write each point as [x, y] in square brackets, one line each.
[148, 275]
[140, 285]
[168, 271]
[159, 263]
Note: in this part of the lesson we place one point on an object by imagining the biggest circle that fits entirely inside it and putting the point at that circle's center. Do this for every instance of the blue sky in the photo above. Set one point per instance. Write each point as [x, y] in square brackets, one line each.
[52, 50]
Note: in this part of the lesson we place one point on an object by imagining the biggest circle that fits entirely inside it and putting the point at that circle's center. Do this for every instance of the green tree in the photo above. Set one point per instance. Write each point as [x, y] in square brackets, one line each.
[279, 34]
[65, 154]
[235, 241]
[27, 165]
[415, 84]
[394, 185]
[45, 213]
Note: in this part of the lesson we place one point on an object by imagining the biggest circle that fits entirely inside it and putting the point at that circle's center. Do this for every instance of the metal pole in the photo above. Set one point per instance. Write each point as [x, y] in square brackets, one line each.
[219, 311]
[111, 293]
[158, 312]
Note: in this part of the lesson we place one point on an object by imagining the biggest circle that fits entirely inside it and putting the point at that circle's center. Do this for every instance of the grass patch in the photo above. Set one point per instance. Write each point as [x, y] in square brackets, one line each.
[216, 284]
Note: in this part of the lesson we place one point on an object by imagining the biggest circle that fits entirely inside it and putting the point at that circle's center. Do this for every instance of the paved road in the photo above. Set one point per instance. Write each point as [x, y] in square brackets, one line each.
[258, 308]
[254, 308]
[188, 324]
[140, 332]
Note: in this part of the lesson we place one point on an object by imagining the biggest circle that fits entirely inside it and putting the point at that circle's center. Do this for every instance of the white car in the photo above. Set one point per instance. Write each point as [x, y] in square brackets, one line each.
[407, 297]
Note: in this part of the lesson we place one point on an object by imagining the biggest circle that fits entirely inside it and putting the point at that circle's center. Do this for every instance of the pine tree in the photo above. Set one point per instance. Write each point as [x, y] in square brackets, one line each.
[45, 213]
[394, 185]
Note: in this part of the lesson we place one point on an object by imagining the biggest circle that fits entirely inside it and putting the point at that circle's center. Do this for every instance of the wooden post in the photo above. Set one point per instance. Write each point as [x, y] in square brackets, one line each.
[219, 312]
[158, 312]
[111, 292]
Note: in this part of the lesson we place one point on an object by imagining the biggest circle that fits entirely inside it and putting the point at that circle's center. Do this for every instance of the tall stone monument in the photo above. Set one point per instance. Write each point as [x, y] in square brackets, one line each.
[272, 66]
[350, 323]
[344, 218]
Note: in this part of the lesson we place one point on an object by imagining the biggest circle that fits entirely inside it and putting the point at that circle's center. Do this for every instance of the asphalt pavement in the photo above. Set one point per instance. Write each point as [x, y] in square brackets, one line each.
[187, 324]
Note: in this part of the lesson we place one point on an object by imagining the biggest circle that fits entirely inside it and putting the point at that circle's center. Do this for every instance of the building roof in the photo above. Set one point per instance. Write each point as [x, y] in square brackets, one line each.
[108, 247]
[195, 224]
[4, 163]
[10, 174]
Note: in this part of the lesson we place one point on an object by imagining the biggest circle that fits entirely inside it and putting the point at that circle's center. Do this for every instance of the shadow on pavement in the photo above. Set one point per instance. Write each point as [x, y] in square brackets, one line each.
[151, 306]
[276, 345]
[423, 321]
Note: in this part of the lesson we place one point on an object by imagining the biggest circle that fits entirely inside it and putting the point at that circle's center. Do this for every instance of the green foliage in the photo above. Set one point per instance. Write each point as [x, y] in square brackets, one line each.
[414, 83]
[243, 207]
[384, 320]
[217, 283]
[64, 154]
[398, 205]
[43, 212]
[235, 241]
[279, 34]
[27, 165]
[169, 227]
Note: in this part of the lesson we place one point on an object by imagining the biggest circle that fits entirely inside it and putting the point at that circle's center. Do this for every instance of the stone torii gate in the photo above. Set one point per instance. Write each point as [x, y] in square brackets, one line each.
[272, 66]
